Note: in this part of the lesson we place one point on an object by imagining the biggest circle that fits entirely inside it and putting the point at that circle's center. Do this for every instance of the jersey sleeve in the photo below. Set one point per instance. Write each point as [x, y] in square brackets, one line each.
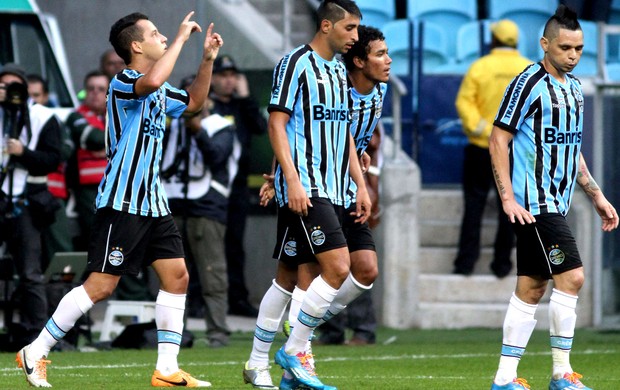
[123, 86]
[285, 85]
[176, 100]
[515, 104]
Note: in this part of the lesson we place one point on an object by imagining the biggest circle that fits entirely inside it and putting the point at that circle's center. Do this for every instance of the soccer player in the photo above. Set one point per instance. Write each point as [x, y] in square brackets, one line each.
[315, 162]
[535, 153]
[133, 225]
[308, 130]
[368, 67]
[368, 64]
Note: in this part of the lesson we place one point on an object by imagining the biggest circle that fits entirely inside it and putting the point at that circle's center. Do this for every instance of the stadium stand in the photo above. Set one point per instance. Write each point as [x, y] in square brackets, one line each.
[614, 12]
[529, 15]
[404, 35]
[614, 40]
[398, 35]
[447, 14]
[473, 40]
[376, 13]
[434, 48]
[470, 41]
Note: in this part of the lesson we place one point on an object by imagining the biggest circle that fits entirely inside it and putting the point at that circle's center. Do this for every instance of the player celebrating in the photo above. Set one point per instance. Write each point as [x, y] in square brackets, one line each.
[133, 226]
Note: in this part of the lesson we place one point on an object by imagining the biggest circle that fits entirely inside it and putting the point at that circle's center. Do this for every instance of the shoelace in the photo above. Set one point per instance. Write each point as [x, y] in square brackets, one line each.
[574, 378]
[305, 359]
[41, 368]
[263, 373]
[522, 382]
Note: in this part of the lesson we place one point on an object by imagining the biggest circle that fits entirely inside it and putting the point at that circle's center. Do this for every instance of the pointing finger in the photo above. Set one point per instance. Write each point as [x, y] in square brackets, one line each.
[188, 17]
[210, 29]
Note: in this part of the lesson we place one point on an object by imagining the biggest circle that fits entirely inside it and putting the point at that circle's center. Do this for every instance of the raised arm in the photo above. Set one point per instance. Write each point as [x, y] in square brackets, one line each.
[199, 89]
[162, 69]
[605, 210]
[500, 162]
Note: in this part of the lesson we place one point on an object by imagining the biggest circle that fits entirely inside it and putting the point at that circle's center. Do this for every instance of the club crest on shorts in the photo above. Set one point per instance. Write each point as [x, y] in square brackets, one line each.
[317, 236]
[556, 255]
[116, 257]
[290, 248]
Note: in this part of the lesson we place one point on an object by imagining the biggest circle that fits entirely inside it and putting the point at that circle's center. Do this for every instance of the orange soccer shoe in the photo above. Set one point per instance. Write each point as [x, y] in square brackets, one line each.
[34, 369]
[177, 379]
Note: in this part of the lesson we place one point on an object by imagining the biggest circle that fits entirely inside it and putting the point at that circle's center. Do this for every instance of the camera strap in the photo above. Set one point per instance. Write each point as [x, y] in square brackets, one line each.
[6, 200]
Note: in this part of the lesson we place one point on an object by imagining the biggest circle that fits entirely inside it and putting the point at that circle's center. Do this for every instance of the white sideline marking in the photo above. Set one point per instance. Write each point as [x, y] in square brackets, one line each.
[5, 370]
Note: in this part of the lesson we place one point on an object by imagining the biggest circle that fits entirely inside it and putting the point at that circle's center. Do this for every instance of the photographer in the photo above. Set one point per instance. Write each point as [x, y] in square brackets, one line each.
[200, 162]
[31, 146]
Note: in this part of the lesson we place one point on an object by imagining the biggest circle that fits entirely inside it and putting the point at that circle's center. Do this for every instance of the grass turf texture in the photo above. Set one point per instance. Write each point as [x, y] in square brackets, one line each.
[416, 359]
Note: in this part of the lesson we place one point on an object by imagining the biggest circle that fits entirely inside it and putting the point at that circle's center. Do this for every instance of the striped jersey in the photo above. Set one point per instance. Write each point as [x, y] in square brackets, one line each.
[546, 118]
[135, 128]
[313, 91]
[365, 114]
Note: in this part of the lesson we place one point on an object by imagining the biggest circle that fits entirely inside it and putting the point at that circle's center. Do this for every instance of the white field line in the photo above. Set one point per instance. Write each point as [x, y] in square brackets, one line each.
[4, 370]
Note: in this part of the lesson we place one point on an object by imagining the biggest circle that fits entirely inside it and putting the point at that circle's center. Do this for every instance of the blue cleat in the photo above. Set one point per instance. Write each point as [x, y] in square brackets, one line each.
[288, 384]
[299, 367]
[516, 384]
[568, 382]
[293, 384]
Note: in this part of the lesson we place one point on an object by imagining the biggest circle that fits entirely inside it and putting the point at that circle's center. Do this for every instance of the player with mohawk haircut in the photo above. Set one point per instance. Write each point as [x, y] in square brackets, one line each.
[536, 156]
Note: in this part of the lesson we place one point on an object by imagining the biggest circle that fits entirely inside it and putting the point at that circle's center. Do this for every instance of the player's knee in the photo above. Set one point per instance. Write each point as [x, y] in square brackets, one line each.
[536, 294]
[573, 282]
[182, 279]
[364, 266]
[578, 279]
[100, 293]
[335, 274]
[176, 282]
[338, 273]
[365, 273]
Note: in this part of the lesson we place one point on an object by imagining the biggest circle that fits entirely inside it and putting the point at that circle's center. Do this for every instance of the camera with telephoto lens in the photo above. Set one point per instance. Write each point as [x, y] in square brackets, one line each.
[15, 95]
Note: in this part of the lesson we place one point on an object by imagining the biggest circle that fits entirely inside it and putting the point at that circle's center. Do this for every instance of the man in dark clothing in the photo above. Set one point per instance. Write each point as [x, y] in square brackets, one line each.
[32, 141]
[231, 99]
[199, 165]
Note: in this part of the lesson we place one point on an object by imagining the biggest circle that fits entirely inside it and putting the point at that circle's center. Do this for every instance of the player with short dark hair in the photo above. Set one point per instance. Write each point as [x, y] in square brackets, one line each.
[368, 70]
[537, 162]
[315, 153]
[133, 226]
[367, 77]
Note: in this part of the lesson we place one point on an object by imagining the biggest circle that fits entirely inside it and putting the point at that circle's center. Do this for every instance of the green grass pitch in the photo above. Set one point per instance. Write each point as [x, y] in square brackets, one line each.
[414, 359]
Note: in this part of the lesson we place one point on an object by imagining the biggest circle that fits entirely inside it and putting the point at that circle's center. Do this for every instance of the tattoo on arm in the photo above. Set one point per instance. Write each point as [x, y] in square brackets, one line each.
[587, 183]
[498, 181]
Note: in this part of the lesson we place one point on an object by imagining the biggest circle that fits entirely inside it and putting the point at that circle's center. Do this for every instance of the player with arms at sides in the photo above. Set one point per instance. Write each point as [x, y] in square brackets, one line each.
[536, 156]
[133, 225]
[315, 153]
[368, 66]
